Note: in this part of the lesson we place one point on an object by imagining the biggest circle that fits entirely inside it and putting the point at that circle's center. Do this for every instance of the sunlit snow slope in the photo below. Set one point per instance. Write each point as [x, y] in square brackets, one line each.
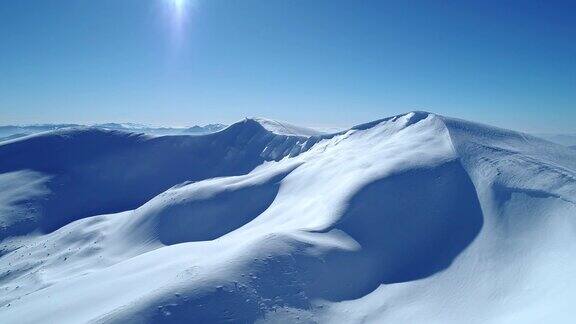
[416, 218]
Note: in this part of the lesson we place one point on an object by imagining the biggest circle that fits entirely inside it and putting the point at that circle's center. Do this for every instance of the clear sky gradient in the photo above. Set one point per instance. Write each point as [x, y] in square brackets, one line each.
[309, 62]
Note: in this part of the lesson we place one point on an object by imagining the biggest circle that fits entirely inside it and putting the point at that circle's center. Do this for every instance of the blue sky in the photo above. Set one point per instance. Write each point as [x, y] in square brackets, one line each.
[310, 62]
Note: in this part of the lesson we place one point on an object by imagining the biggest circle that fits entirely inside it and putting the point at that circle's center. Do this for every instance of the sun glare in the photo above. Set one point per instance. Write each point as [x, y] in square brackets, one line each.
[179, 5]
[178, 9]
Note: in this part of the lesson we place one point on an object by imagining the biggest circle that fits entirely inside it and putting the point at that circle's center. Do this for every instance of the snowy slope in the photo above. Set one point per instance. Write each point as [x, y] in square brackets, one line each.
[416, 218]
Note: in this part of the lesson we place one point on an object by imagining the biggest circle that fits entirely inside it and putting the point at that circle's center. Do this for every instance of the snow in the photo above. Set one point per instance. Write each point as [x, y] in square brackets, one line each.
[416, 218]
[283, 128]
[9, 132]
[564, 139]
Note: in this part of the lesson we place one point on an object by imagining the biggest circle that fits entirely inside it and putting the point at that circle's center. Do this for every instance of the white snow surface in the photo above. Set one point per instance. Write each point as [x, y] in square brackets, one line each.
[416, 218]
[8, 132]
[284, 128]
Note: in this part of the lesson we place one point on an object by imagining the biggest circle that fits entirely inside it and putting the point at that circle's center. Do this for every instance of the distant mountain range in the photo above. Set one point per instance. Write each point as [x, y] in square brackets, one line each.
[564, 139]
[16, 131]
[9, 132]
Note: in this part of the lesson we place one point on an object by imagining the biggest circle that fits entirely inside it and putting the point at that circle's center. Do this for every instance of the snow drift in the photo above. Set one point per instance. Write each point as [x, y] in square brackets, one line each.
[416, 218]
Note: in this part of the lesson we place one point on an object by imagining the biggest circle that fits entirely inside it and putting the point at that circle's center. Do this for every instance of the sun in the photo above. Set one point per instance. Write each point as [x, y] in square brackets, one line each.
[178, 14]
[178, 8]
[179, 5]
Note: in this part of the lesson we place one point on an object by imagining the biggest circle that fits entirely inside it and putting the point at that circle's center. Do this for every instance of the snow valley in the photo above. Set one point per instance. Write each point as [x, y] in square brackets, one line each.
[416, 218]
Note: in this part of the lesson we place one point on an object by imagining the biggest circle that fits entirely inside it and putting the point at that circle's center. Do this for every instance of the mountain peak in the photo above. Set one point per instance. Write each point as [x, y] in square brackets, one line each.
[284, 128]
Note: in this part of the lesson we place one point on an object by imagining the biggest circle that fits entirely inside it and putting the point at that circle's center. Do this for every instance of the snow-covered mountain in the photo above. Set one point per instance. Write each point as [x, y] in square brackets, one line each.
[416, 218]
[564, 139]
[200, 130]
[12, 131]
[15, 131]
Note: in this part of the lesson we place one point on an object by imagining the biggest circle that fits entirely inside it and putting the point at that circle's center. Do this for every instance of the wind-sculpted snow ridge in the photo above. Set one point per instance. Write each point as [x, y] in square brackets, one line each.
[80, 172]
[283, 128]
[415, 218]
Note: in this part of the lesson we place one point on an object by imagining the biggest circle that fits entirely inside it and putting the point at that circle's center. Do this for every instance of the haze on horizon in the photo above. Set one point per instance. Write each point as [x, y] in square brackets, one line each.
[314, 63]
